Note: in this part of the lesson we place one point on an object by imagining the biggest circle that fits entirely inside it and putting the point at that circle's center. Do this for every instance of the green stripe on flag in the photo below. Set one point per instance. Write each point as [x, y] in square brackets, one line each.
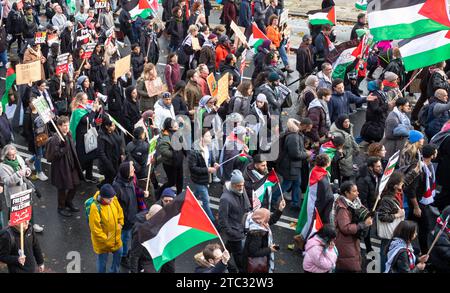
[320, 22]
[180, 244]
[10, 79]
[406, 30]
[427, 58]
[303, 216]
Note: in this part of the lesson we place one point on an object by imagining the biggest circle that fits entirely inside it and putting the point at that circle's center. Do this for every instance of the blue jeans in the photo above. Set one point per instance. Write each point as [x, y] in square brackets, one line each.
[201, 192]
[102, 260]
[283, 53]
[37, 159]
[287, 185]
[126, 235]
[4, 58]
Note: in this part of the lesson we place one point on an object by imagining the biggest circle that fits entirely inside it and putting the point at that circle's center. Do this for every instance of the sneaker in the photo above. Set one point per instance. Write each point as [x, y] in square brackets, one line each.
[64, 213]
[37, 228]
[91, 180]
[41, 176]
[30, 164]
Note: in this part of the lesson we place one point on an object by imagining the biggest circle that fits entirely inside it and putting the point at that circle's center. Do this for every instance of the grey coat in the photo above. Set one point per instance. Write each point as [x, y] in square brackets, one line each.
[350, 146]
[395, 134]
[13, 182]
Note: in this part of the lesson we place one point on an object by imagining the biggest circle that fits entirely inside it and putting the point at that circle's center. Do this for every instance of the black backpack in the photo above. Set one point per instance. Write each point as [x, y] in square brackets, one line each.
[425, 116]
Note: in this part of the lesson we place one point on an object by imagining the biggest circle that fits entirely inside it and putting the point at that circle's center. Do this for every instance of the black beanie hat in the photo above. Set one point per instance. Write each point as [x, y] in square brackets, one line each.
[124, 170]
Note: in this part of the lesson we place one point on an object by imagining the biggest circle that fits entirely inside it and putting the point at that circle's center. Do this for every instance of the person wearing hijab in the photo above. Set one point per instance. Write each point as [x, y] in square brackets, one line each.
[259, 240]
[83, 86]
[131, 114]
[342, 127]
[307, 96]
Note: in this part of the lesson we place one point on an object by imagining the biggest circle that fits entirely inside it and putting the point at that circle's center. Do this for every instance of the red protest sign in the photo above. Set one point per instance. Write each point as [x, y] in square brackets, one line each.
[88, 49]
[20, 207]
[62, 64]
[40, 37]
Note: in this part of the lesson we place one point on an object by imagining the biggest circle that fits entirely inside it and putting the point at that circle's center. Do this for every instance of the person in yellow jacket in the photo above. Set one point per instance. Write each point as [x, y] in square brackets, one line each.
[106, 228]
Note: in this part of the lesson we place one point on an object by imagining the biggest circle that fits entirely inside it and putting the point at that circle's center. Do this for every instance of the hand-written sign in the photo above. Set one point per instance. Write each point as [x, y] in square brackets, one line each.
[43, 109]
[62, 64]
[20, 207]
[26, 73]
[88, 50]
[99, 4]
[122, 66]
[238, 31]
[222, 89]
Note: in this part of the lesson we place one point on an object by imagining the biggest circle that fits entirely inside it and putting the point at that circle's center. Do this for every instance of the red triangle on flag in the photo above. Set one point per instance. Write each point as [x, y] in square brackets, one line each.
[448, 35]
[272, 177]
[436, 10]
[359, 49]
[192, 215]
[332, 15]
[154, 5]
[257, 33]
[318, 222]
[143, 4]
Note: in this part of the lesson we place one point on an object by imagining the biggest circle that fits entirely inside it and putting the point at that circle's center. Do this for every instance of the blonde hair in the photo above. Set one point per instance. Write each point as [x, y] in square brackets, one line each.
[411, 148]
[192, 28]
[147, 70]
[77, 101]
[293, 125]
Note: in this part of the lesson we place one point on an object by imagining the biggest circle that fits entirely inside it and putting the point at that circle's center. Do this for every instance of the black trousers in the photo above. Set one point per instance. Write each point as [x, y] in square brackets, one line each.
[174, 178]
[65, 198]
[235, 248]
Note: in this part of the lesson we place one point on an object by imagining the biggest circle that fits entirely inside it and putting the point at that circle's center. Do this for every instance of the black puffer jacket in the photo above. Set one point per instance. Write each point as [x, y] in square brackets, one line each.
[438, 80]
[198, 167]
[377, 111]
[367, 187]
[127, 198]
[109, 149]
[130, 112]
[137, 151]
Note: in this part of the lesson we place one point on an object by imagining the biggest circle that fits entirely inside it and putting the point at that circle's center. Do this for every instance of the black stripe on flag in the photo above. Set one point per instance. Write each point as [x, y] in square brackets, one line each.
[151, 228]
[129, 5]
[326, 10]
[377, 5]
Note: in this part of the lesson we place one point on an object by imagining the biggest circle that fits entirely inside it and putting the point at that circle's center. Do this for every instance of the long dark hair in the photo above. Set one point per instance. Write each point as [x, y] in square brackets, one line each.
[327, 233]
[390, 190]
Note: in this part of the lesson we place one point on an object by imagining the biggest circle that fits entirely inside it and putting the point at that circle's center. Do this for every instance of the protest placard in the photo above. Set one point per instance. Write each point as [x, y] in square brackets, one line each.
[43, 109]
[26, 73]
[239, 32]
[100, 4]
[62, 64]
[196, 44]
[88, 50]
[222, 89]
[20, 207]
[40, 37]
[212, 84]
[122, 66]
[284, 17]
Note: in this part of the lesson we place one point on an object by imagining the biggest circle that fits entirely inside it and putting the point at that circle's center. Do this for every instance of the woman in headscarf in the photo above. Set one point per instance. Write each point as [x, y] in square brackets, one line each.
[83, 86]
[307, 95]
[401, 257]
[131, 114]
[260, 111]
[259, 240]
[342, 127]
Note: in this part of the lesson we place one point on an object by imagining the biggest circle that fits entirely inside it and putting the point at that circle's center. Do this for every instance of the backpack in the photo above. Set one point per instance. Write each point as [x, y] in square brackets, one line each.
[424, 116]
[88, 204]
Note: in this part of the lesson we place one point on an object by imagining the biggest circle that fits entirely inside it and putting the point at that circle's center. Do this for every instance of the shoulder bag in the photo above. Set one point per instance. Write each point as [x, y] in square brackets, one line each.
[90, 138]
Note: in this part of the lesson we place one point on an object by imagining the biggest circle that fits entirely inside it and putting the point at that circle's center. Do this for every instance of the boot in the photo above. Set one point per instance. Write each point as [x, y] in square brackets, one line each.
[64, 213]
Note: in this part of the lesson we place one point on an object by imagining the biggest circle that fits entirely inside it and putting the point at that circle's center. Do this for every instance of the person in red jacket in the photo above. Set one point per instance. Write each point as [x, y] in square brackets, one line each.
[222, 50]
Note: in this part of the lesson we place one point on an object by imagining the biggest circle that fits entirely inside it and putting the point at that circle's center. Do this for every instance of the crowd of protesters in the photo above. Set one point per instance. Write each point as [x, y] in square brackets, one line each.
[260, 126]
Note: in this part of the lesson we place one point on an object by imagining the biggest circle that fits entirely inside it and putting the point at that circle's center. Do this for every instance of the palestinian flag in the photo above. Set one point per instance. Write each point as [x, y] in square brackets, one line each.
[142, 8]
[323, 16]
[9, 82]
[390, 167]
[75, 119]
[395, 20]
[263, 187]
[347, 57]
[257, 38]
[308, 219]
[178, 227]
[72, 5]
[425, 50]
[329, 149]
[361, 4]
[317, 224]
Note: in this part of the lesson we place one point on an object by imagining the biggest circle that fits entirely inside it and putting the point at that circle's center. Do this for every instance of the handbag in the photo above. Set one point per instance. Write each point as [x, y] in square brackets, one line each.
[257, 264]
[90, 139]
[41, 139]
[385, 230]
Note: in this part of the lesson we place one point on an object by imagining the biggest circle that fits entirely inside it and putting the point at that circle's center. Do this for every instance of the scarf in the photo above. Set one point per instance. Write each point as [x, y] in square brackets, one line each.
[356, 204]
[430, 180]
[14, 164]
[390, 84]
[402, 117]
[398, 244]
[251, 225]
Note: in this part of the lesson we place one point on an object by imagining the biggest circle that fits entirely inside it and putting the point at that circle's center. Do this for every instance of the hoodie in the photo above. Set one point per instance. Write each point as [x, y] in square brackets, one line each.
[162, 112]
[317, 257]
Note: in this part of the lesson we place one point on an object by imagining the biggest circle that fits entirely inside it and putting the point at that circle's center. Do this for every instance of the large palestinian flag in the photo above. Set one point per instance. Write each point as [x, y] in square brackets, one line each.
[395, 20]
[308, 219]
[10, 79]
[257, 38]
[75, 119]
[178, 227]
[347, 57]
[361, 4]
[261, 189]
[323, 16]
[142, 8]
[425, 50]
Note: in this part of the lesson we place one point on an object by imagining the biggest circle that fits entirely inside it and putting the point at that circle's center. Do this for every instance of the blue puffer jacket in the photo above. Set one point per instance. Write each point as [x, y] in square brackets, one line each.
[435, 123]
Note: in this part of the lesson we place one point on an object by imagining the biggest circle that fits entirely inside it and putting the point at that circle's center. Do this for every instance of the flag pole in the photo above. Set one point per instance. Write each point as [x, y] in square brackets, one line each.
[230, 159]
[279, 185]
[212, 224]
[438, 235]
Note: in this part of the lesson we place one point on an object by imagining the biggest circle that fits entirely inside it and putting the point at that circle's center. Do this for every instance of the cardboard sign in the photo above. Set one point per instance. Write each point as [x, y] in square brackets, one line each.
[196, 44]
[40, 37]
[122, 66]
[212, 84]
[88, 50]
[100, 4]
[62, 64]
[26, 73]
[222, 89]
[238, 31]
[20, 207]
[43, 109]
[284, 17]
